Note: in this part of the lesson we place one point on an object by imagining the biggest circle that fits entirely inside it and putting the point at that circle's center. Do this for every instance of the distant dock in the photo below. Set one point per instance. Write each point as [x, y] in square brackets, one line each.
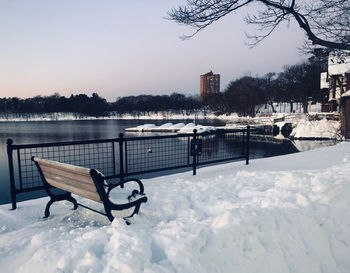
[180, 128]
[152, 130]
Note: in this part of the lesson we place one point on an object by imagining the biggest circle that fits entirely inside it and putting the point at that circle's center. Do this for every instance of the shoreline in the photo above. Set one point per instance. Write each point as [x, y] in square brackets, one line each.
[311, 126]
[151, 116]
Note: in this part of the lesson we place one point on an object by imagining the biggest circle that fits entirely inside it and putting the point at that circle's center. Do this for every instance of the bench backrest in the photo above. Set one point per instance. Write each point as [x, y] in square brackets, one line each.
[68, 177]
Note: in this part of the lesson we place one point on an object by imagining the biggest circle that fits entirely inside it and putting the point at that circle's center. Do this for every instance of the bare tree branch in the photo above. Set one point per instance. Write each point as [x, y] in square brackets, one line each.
[326, 23]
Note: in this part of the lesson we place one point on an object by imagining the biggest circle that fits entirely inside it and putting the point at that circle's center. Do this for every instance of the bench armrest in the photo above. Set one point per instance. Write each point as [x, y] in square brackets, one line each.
[139, 195]
[122, 182]
[135, 203]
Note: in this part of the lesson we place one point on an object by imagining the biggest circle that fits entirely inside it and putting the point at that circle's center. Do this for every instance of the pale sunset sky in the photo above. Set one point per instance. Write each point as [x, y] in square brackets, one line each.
[119, 48]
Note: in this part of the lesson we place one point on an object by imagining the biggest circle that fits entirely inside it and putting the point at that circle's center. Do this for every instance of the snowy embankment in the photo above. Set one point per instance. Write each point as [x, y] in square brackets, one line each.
[316, 129]
[160, 115]
[283, 214]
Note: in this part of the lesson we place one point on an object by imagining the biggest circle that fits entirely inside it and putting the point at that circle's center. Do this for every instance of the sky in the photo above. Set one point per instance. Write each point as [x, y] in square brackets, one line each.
[121, 48]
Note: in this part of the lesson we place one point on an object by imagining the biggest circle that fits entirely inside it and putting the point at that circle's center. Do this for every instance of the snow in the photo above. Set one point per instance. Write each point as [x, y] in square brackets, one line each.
[338, 65]
[160, 115]
[166, 125]
[188, 129]
[177, 126]
[181, 128]
[140, 128]
[316, 129]
[281, 214]
[346, 94]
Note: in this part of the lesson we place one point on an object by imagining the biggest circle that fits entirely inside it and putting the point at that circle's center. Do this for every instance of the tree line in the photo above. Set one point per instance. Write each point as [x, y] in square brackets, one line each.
[95, 105]
[296, 83]
[154, 103]
[80, 104]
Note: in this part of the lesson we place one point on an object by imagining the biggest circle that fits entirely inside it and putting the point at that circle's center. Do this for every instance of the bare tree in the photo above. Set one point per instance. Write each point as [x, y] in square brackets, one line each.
[326, 23]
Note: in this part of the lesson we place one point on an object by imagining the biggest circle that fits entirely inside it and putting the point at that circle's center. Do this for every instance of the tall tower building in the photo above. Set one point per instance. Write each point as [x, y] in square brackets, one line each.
[209, 84]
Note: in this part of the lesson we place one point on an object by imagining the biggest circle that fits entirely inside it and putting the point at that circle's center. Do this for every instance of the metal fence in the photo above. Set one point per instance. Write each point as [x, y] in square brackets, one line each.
[126, 156]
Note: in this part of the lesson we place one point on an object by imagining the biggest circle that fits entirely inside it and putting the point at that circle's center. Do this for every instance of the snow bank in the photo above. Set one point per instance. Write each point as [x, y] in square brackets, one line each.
[188, 129]
[316, 129]
[166, 125]
[181, 128]
[282, 214]
[177, 126]
[145, 126]
[338, 64]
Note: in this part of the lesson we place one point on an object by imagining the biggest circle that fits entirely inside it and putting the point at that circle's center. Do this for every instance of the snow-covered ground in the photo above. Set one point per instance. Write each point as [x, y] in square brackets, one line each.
[316, 129]
[282, 214]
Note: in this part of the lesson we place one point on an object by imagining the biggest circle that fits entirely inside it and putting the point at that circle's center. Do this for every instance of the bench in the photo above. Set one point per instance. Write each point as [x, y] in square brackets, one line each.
[88, 183]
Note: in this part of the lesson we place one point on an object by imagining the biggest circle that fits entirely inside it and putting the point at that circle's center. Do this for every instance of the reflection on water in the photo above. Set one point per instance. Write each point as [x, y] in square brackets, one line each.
[269, 146]
[306, 145]
[58, 131]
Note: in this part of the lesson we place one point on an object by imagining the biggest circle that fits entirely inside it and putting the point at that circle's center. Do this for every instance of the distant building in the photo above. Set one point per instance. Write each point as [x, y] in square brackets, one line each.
[336, 81]
[209, 84]
[325, 106]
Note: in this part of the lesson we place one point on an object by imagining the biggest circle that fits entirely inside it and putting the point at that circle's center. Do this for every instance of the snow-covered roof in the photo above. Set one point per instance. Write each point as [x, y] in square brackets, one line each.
[338, 64]
[209, 73]
[346, 94]
[324, 82]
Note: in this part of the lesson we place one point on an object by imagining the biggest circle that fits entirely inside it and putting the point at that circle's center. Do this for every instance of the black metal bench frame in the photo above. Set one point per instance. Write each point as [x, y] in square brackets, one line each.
[101, 185]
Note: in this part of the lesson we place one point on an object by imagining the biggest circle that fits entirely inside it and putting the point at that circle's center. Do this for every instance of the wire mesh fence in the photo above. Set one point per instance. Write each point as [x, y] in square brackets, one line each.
[124, 156]
[221, 147]
[157, 153]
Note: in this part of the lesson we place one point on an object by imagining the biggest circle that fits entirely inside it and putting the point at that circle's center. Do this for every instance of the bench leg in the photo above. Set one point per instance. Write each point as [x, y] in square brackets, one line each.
[72, 199]
[47, 209]
[109, 214]
[54, 198]
[136, 211]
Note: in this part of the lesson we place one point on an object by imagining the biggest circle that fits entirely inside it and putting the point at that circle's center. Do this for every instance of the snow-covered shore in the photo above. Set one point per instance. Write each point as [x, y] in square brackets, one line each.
[282, 214]
[304, 125]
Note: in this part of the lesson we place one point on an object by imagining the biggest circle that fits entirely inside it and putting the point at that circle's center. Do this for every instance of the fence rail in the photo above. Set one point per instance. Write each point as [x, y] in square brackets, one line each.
[125, 156]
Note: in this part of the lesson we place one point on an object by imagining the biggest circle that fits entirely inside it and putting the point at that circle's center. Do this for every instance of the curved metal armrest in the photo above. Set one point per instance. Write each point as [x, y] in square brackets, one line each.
[122, 182]
[128, 205]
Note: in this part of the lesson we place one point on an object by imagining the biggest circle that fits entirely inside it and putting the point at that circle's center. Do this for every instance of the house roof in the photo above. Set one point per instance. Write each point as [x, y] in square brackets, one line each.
[339, 63]
[209, 73]
[346, 94]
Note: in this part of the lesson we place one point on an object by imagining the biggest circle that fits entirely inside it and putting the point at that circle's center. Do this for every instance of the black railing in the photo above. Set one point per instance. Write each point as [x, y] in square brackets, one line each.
[125, 156]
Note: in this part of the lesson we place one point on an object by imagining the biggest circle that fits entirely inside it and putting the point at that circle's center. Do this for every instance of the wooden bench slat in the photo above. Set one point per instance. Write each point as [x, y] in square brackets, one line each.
[63, 166]
[69, 181]
[70, 188]
[70, 178]
[83, 179]
[72, 185]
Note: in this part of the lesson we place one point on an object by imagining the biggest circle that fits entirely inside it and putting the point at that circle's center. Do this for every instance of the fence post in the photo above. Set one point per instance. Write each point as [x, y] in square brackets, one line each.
[11, 172]
[194, 156]
[121, 155]
[243, 142]
[247, 150]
